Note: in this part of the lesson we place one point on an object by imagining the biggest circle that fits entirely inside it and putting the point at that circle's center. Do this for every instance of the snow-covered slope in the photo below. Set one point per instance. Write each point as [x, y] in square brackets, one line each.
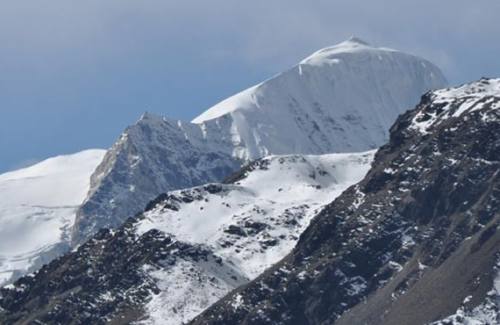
[340, 99]
[37, 209]
[251, 223]
[256, 220]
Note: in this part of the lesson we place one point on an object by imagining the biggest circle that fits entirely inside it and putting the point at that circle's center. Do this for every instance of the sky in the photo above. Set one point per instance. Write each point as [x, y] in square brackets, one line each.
[74, 74]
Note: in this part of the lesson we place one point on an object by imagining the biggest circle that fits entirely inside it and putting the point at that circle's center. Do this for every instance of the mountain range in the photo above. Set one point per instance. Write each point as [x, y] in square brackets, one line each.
[190, 247]
[414, 242]
[340, 99]
[314, 197]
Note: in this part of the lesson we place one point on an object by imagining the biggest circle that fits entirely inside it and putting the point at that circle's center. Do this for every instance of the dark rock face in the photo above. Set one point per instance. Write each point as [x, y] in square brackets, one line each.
[406, 245]
[259, 164]
[151, 157]
[86, 286]
[104, 281]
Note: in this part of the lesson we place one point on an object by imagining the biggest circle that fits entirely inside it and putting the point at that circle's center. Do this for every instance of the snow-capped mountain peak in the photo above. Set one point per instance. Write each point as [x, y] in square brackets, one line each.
[340, 99]
[352, 54]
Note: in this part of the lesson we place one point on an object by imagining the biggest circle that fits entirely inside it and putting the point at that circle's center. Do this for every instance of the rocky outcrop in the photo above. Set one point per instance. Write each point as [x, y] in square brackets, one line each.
[153, 156]
[109, 278]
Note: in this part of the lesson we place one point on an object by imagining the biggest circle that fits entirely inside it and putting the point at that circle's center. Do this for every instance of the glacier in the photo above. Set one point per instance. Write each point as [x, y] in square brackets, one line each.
[37, 210]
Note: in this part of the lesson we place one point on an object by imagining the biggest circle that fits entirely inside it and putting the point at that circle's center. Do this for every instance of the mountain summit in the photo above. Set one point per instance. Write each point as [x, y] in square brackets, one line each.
[340, 99]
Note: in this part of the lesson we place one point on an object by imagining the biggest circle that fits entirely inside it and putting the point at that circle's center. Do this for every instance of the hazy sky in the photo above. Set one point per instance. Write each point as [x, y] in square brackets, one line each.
[73, 74]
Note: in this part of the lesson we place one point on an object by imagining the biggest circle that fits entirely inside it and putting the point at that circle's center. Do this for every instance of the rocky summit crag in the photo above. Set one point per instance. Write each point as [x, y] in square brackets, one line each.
[417, 241]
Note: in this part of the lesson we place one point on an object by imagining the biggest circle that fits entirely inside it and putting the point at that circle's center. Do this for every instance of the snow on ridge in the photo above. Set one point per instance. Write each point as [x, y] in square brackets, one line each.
[51, 165]
[244, 99]
[341, 54]
[481, 88]
[352, 45]
[459, 101]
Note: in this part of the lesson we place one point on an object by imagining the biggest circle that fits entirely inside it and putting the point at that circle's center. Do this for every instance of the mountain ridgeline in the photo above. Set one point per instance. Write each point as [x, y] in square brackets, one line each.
[340, 99]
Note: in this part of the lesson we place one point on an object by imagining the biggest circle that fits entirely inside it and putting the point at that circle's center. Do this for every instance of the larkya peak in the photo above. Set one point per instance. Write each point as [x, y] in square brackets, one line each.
[149, 118]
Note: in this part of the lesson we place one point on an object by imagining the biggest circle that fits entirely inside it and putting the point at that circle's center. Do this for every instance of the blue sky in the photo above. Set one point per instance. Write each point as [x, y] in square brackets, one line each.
[73, 74]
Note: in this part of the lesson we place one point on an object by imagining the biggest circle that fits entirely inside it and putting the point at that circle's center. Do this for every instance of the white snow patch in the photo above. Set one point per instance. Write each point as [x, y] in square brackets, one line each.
[485, 314]
[188, 288]
[458, 102]
[37, 208]
[291, 189]
[271, 206]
